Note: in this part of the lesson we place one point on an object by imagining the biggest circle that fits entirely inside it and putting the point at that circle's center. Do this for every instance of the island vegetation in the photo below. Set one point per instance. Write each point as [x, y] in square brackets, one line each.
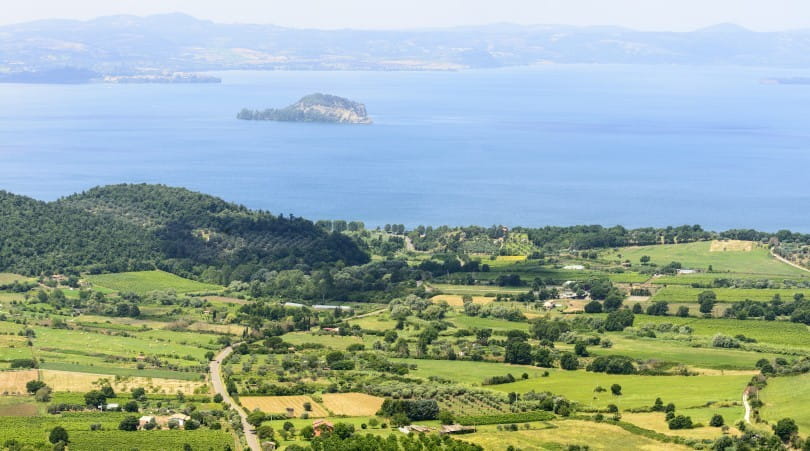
[313, 108]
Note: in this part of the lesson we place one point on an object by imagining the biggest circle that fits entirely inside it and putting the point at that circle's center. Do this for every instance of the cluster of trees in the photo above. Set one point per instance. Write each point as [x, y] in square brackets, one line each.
[412, 409]
[134, 227]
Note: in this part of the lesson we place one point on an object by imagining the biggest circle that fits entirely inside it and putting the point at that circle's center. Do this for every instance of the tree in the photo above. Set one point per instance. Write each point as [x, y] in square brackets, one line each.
[139, 393]
[33, 386]
[683, 311]
[446, 417]
[400, 419]
[218, 397]
[307, 432]
[658, 308]
[644, 259]
[680, 422]
[131, 406]
[343, 430]
[266, 431]
[785, 429]
[593, 307]
[717, 420]
[619, 320]
[129, 423]
[518, 352]
[580, 349]
[543, 357]
[637, 309]
[255, 418]
[209, 355]
[707, 299]
[569, 361]
[108, 391]
[43, 394]
[58, 434]
[95, 398]
[616, 389]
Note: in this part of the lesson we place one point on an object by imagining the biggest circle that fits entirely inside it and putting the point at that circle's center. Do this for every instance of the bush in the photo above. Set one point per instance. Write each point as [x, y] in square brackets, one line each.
[616, 389]
[569, 361]
[717, 420]
[724, 341]
[785, 429]
[612, 364]
[680, 422]
[129, 423]
[593, 307]
[58, 434]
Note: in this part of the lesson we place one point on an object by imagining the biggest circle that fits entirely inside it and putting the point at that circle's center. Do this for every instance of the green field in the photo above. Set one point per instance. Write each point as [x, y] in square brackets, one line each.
[781, 333]
[787, 397]
[34, 431]
[10, 278]
[637, 391]
[474, 322]
[680, 352]
[681, 293]
[467, 372]
[697, 256]
[145, 281]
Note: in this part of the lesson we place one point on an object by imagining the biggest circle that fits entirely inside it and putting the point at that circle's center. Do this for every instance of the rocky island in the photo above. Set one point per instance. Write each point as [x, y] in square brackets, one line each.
[313, 108]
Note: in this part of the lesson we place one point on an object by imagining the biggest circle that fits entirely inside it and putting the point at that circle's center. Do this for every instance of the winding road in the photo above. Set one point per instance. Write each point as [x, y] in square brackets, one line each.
[216, 379]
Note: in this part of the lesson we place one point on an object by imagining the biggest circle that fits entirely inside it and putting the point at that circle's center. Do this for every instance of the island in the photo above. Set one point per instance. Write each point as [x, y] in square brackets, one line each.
[313, 108]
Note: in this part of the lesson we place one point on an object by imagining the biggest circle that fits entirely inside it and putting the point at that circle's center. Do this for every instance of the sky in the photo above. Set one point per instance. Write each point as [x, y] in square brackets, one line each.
[674, 15]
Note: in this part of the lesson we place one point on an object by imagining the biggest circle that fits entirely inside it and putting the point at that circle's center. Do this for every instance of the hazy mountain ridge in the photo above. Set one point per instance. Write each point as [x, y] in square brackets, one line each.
[129, 44]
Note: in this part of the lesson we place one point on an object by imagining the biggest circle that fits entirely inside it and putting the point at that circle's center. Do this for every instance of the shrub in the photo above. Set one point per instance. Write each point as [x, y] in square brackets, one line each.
[58, 434]
[129, 423]
[680, 422]
[717, 420]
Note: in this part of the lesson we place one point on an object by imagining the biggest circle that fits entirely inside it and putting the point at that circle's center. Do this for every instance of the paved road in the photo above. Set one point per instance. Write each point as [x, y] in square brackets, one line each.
[219, 387]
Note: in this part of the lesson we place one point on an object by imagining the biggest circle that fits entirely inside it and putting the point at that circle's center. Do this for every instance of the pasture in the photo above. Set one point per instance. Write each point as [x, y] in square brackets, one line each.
[6, 278]
[680, 293]
[352, 404]
[560, 434]
[143, 282]
[279, 404]
[656, 421]
[787, 397]
[699, 256]
[637, 391]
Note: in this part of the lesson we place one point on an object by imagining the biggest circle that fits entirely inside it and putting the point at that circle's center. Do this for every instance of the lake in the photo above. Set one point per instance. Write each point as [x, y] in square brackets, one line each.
[533, 146]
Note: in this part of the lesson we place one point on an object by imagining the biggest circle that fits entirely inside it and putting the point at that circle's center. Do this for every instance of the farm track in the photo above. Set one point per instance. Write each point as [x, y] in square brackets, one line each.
[786, 261]
[216, 380]
[747, 406]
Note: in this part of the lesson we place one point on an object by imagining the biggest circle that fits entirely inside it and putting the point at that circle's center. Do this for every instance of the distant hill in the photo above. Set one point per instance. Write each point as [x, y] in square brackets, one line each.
[120, 45]
[136, 227]
[313, 108]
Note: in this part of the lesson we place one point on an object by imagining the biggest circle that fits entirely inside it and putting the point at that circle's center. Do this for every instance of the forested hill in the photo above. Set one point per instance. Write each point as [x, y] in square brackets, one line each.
[129, 227]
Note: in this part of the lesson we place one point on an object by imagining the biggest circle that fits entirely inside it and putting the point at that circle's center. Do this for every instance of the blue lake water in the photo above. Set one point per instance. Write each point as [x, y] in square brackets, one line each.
[560, 145]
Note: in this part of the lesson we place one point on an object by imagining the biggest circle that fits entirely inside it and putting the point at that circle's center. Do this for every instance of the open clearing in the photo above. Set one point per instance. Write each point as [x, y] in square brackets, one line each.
[656, 421]
[6, 278]
[13, 382]
[563, 433]
[352, 404]
[699, 256]
[71, 381]
[142, 282]
[731, 246]
[279, 405]
[457, 300]
[782, 397]
[680, 293]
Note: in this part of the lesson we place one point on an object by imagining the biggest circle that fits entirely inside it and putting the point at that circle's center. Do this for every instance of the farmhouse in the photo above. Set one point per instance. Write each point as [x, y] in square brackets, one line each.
[321, 426]
[179, 418]
[415, 428]
[144, 420]
[335, 330]
[456, 429]
[548, 305]
[687, 271]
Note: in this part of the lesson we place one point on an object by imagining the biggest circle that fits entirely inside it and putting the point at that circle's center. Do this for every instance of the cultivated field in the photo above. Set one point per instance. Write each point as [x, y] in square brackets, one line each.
[731, 246]
[558, 435]
[457, 300]
[787, 397]
[70, 381]
[680, 293]
[279, 405]
[6, 278]
[145, 281]
[13, 382]
[352, 404]
[699, 256]
[656, 421]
